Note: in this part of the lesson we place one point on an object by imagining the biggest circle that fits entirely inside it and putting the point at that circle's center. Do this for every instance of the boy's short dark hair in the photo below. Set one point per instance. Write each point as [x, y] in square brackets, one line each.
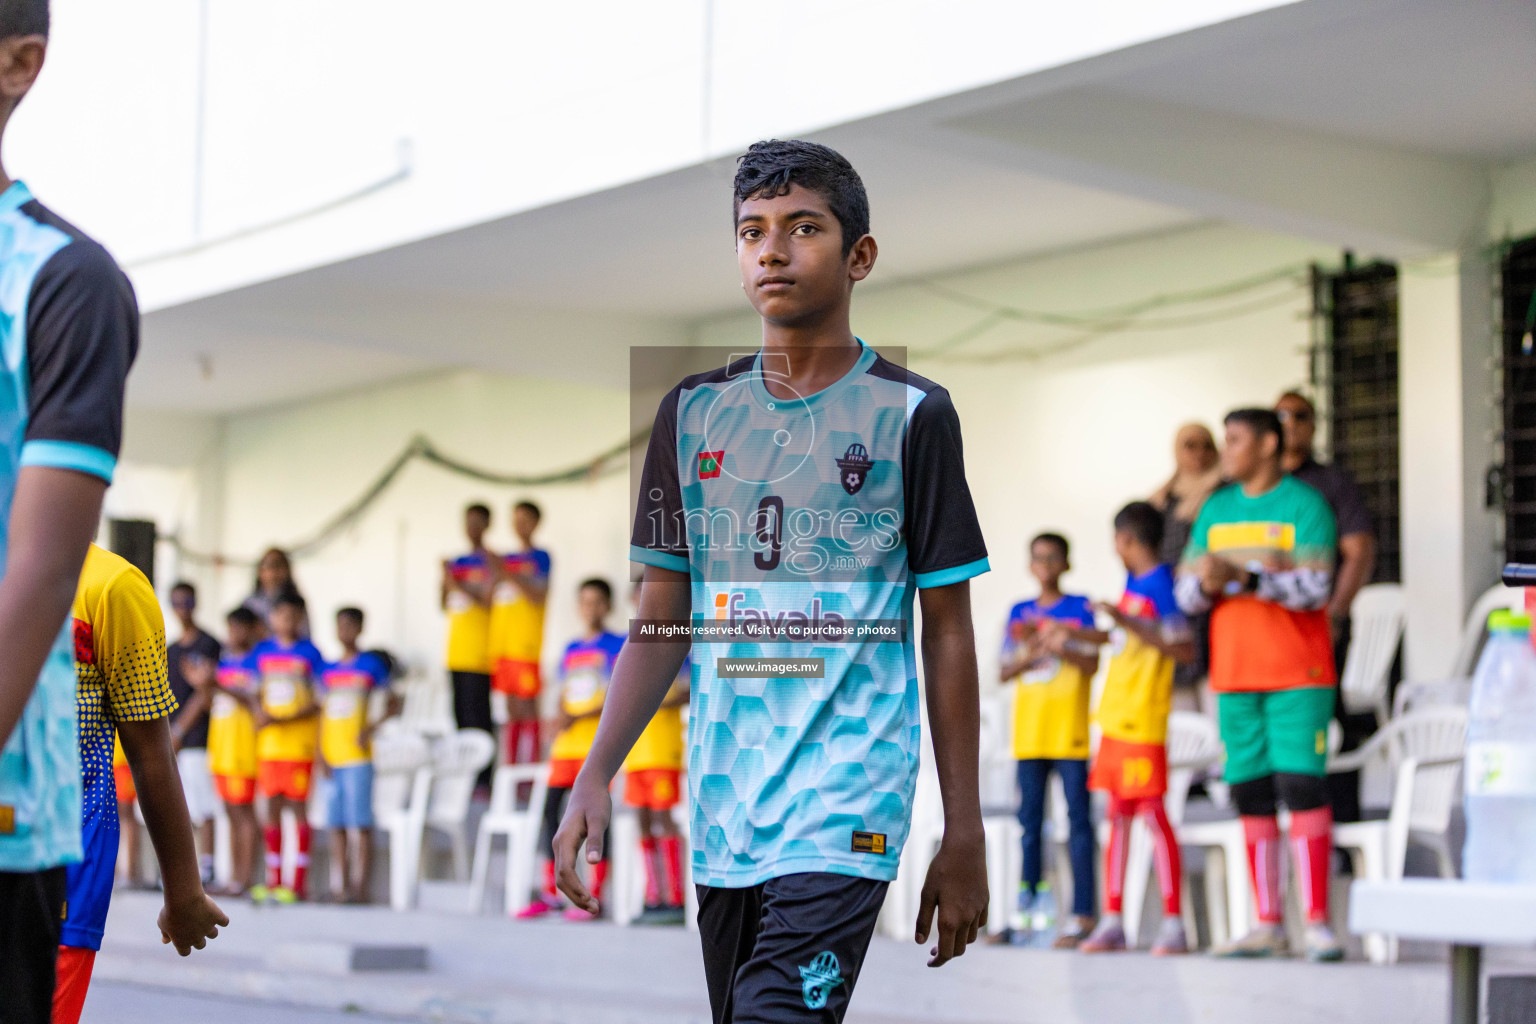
[23, 18]
[242, 616]
[181, 585]
[529, 507]
[768, 169]
[1052, 538]
[1143, 522]
[351, 612]
[292, 600]
[479, 509]
[1261, 422]
[599, 584]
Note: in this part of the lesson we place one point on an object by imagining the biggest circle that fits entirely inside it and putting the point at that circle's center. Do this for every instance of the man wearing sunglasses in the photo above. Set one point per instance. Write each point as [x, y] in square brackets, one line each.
[1356, 561]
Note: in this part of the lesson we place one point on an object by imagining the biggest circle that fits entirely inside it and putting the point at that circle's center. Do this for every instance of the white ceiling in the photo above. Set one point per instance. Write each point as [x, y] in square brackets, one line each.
[543, 292]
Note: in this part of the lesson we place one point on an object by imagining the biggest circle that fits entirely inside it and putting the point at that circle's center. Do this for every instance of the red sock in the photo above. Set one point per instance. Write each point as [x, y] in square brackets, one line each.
[274, 837]
[599, 876]
[551, 890]
[652, 875]
[514, 742]
[672, 857]
[301, 861]
[1165, 853]
[1263, 838]
[1312, 847]
[1114, 854]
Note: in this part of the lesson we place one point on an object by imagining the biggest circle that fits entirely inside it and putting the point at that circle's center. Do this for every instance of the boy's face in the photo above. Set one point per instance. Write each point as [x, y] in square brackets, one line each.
[524, 522]
[475, 525]
[790, 250]
[1245, 453]
[348, 629]
[241, 635]
[1047, 563]
[592, 606]
[1123, 544]
[1299, 420]
[183, 603]
[285, 622]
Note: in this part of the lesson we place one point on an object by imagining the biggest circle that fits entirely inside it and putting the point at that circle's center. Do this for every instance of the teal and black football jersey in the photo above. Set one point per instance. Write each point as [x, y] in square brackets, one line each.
[69, 329]
[830, 509]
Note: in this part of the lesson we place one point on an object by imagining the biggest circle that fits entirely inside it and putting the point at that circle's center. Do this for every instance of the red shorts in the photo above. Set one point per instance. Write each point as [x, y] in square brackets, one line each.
[653, 788]
[563, 772]
[73, 981]
[123, 776]
[517, 678]
[285, 778]
[235, 790]
[1128, 770]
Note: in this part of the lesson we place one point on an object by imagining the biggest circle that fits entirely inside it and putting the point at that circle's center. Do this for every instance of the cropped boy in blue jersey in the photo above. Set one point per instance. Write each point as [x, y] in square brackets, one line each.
[69, 326]
[815, 483]
[1050, 730]
[346, 734]
[122, 688]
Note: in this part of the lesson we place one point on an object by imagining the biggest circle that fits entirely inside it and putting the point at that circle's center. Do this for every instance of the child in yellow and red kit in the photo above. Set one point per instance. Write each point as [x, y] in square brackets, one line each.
[517, 634]
[1131, 765]
[654, 770]
[585, 671]
[232, 742]
[288, 733]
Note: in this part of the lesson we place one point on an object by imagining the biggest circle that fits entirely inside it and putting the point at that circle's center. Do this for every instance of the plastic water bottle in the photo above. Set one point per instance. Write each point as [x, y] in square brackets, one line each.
[1501, 757]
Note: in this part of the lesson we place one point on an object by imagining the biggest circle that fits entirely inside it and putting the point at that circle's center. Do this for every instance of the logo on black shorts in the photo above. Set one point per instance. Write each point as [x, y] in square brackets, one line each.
[869, 842]
[819, 979]
[855, 465]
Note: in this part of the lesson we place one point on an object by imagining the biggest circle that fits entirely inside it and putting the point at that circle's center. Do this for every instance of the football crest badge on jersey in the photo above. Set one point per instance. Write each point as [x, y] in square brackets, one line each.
[854, 466]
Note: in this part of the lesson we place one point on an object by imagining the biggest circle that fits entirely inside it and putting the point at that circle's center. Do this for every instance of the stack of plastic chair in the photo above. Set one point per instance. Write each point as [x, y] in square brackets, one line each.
[1376, 622]
[402, 783]
[456, 762]
[1425, 750]
[519, 824]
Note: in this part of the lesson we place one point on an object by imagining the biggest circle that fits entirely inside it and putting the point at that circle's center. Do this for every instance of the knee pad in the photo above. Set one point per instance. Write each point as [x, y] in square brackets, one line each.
[1256, 797]
[1301, 792]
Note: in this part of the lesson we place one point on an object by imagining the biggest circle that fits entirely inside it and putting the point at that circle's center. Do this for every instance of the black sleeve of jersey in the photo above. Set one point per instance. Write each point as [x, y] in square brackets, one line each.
[82, 335]
[941, 525]
[659, 512]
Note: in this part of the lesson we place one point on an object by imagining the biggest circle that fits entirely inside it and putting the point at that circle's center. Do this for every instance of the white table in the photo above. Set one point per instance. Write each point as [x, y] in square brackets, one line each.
[1468, 915]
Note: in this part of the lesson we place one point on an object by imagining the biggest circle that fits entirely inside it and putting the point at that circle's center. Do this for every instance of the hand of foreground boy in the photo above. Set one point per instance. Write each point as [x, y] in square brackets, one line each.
[188, 924]
[956, 887]
[587, 814]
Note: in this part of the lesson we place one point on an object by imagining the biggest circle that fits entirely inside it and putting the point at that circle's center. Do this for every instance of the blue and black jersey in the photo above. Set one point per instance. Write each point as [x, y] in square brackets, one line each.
[827, 510]
[69, 329]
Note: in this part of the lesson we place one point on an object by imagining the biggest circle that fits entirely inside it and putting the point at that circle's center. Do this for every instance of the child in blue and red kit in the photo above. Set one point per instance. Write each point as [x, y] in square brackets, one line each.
[1050, 729]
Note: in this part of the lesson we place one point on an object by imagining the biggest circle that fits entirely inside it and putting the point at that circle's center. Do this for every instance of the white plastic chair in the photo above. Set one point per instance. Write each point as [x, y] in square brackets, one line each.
[1476, 627]
[402, 783]
[1435, 693]
[1376, 628]
[1426, 748]
[1193, 744]
[520, 825]
[456, 762]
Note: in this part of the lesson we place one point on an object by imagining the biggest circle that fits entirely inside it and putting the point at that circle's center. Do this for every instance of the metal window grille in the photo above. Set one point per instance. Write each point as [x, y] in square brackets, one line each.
[1355, 375]
[1518, 292]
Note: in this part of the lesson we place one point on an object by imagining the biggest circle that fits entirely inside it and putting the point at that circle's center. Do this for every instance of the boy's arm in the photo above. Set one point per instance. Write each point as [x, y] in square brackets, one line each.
[640, 681]
[53, 516]
[189, 918]
[1176, 644]
[956, 884]
[198, 671]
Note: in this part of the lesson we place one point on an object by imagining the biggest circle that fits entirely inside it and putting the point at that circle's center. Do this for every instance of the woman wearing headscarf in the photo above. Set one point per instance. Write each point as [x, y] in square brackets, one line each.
[1196, 475]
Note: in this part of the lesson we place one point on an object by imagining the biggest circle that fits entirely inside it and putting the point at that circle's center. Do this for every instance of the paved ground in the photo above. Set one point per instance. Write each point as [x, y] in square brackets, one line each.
[487, 970]
[116, 1003]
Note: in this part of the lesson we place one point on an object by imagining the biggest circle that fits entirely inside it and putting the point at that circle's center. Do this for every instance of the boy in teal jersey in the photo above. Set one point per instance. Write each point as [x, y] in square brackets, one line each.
[69, 327]
[814, 488]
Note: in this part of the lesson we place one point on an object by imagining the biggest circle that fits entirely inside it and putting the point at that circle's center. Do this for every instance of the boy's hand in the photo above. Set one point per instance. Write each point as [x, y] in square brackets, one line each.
[1215, 574]
[260, 719]
[586, 815]
[1112, 610]
[957, 887]
[189, 924]
[197, 670]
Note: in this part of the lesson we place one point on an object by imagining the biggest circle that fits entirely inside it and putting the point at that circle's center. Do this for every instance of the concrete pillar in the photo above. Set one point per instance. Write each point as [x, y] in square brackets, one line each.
[1445, 421]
